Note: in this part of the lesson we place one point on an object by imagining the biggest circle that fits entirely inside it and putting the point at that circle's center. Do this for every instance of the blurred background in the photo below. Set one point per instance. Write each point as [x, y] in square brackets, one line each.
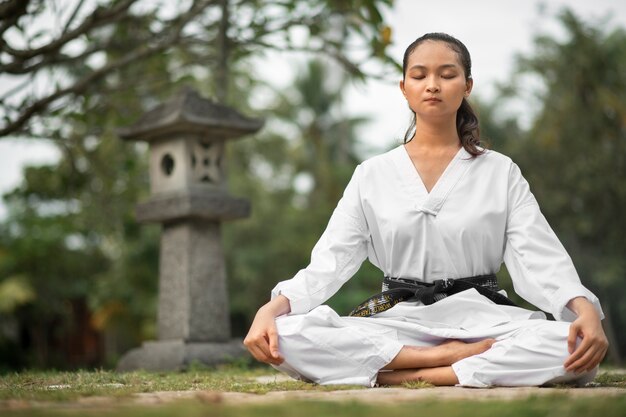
[78, 274]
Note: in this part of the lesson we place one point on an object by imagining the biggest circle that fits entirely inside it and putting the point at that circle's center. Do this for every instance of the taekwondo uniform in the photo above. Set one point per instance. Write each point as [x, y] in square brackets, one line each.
[479, 214]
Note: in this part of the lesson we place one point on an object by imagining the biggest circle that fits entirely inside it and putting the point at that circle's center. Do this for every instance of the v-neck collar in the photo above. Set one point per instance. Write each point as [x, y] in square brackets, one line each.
[431, 202]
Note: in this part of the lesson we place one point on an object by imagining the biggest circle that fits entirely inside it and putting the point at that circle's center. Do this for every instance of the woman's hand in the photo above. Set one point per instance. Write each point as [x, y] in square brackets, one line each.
[594, 344]
[262, 338]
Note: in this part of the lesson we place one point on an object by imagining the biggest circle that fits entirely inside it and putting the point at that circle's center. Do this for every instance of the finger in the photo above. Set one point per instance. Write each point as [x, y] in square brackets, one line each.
[604, 352]
[257, 353]
[255, 346]
[597, 351]
[571, 338]
[263, 356]
[273, 336]
[578, 353]
[264, 347]
[595, 361]
[583, 362]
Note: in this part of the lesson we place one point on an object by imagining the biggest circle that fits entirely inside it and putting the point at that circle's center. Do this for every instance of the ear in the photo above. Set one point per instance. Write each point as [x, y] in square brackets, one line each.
[468, 87]
[402, 88]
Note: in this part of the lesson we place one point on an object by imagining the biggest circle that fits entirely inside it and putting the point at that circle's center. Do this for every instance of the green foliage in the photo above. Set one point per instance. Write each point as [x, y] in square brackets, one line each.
[56, 65]
[72, 236]
[87, 272]
[77, 270]
[322, 149]
[15, 291]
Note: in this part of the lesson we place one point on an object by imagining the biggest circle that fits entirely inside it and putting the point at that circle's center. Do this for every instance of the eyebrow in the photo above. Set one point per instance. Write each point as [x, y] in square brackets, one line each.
[418, 66]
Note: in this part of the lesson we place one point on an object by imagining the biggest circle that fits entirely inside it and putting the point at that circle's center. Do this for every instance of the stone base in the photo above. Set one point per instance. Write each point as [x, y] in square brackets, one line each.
[174, 355]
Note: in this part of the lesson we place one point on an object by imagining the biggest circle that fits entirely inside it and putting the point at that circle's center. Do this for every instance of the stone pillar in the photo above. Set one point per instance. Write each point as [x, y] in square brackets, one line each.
[189, 198]
[193, 299]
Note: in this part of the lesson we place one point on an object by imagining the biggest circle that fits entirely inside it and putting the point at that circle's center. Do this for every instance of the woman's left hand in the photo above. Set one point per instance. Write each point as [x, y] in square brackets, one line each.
[594, 345]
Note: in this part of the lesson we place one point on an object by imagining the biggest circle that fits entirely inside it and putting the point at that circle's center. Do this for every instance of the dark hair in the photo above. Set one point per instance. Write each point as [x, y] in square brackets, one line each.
[466, 120]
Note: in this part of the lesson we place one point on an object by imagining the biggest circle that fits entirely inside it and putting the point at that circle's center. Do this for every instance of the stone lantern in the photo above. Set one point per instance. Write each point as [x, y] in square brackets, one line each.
[189, 197]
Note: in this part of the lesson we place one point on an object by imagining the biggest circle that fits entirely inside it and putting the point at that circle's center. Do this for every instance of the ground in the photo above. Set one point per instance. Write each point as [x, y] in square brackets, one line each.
[241, 391]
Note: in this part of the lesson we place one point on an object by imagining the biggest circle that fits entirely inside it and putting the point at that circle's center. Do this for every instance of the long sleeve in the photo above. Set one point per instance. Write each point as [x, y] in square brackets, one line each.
[541, 269]
[336, 256]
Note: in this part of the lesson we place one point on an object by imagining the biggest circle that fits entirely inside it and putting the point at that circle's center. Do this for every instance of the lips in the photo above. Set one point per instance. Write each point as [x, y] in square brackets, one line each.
[432, 99]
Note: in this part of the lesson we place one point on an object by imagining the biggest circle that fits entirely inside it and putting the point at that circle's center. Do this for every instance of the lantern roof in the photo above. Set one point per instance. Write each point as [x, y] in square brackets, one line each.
[189, 113]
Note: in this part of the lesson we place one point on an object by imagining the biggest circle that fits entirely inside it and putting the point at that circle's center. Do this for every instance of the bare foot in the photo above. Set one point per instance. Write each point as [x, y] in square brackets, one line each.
[458, 349]
[437, 376]
[445, 354]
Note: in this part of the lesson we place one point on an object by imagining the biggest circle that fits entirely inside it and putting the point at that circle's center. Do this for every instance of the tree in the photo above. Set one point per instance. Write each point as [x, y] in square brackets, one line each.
[51, 68]
[322, 148]
[82, 207]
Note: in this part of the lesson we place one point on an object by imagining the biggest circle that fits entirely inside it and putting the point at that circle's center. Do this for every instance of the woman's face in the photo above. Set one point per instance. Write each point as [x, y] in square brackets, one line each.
[434, 83]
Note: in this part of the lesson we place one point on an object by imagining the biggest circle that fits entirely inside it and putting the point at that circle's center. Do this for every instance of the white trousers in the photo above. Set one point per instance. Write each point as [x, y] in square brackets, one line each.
[326, 348]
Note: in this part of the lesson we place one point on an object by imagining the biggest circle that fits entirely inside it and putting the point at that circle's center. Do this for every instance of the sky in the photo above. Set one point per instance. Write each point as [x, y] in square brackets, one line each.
[494, 31]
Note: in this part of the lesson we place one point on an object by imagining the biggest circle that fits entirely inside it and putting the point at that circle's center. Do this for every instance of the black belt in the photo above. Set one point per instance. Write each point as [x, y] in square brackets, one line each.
[396, 290]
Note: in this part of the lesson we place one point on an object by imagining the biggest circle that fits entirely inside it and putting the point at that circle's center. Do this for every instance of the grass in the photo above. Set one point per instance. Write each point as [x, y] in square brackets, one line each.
[417, 384]
[608, 379]
[57, 393]
[67, 386]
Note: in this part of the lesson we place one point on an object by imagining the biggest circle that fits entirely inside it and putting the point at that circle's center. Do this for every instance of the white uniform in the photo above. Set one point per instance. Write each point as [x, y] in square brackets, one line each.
[479, 214]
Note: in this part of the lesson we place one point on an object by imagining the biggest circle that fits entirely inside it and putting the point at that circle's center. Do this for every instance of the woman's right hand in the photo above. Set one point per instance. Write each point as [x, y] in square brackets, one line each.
[262, 338]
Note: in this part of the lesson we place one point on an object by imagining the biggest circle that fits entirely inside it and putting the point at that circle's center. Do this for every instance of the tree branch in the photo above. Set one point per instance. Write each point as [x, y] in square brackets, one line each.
[73, 16]
[221, 75]
[324, 50]
[10, 13]
[17, 69]
[12, 8]
[41, 105]
[15, 89]
[101, 16]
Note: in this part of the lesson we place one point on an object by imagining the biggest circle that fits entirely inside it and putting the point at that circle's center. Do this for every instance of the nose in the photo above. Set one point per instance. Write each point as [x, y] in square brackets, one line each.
[432, 88]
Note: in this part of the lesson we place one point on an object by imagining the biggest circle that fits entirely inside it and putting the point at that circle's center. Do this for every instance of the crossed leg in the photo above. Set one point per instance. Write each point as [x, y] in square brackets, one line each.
[430, 364]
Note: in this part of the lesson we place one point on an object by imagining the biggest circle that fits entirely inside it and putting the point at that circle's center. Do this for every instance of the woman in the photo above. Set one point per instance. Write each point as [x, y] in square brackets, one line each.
[437, 207]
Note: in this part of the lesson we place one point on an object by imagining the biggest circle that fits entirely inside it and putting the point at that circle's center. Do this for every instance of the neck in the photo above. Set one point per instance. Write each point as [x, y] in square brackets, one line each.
[436, 133]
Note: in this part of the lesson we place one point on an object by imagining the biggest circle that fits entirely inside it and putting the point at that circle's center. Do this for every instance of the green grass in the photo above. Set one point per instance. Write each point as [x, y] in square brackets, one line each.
[67, 386]
[608, 379]
[60, 390]
[417, 384]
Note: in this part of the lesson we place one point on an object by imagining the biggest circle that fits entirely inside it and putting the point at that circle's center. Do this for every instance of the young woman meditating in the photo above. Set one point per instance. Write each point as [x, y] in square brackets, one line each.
[438, 214]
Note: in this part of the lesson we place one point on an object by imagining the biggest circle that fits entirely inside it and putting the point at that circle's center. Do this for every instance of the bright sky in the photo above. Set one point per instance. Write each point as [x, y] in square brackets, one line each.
[493, 30]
